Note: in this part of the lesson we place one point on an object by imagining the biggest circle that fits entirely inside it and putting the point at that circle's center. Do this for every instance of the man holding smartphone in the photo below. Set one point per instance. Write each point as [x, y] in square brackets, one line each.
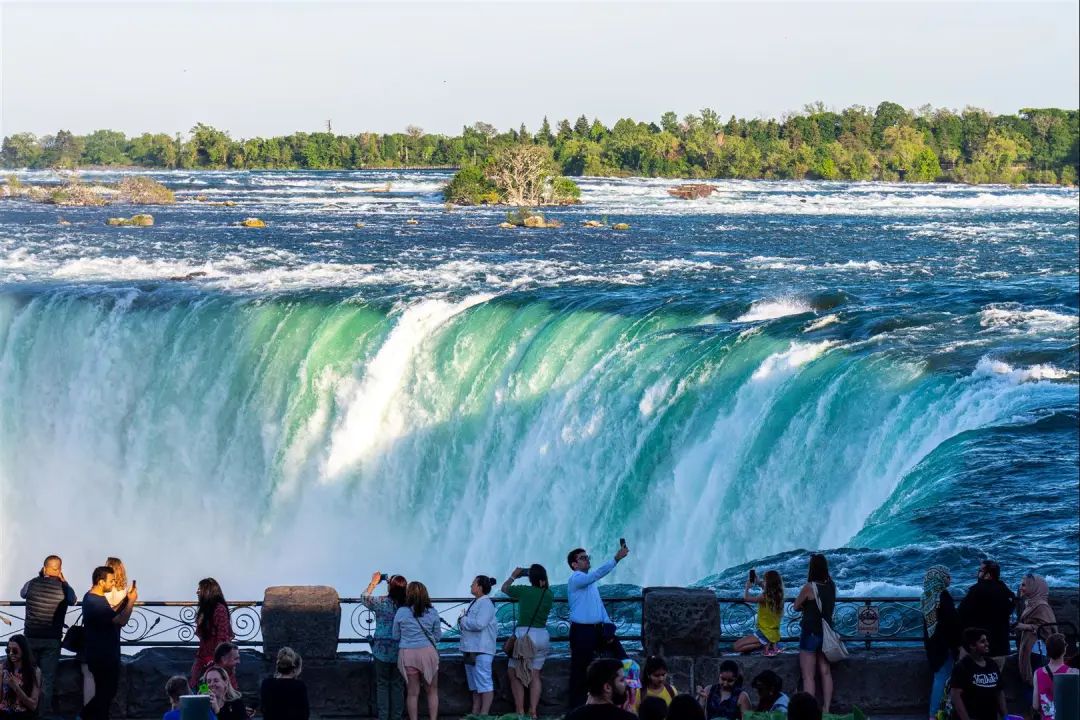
[591, 631]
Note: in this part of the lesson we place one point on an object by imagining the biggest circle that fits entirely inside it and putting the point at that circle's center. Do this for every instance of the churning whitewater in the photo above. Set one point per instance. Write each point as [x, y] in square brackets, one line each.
[887, 372]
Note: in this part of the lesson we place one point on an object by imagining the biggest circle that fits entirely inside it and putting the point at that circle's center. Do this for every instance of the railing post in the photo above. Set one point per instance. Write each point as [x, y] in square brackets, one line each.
[679, 621]
[305, 618]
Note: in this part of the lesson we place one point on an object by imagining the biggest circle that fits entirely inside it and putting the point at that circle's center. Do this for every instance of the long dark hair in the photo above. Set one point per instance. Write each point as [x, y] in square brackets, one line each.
[417, 598]
[29, 666]
[819, 569]
[395, 589]
[210, 596]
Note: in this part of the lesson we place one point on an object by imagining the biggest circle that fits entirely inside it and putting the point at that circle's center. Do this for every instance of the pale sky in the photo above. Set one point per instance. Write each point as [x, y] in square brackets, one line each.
[269, 68]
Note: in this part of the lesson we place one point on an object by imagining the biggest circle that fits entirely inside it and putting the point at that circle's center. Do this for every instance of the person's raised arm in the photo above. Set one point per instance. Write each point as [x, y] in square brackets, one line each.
[581, 580]
[747, 597]
[127, 605]
[376, 578]
[514, 575]
[69, 594]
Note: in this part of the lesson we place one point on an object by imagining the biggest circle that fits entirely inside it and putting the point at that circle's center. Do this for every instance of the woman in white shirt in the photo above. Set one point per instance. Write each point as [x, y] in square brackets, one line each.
[478, 632]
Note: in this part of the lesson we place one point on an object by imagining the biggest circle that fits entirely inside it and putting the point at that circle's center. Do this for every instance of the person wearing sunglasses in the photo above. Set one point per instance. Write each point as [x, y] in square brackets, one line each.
[592, 634]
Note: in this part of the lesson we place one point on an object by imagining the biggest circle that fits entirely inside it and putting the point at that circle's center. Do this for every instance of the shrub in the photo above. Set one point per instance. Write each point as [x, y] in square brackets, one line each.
[141, 190]
[470, 186]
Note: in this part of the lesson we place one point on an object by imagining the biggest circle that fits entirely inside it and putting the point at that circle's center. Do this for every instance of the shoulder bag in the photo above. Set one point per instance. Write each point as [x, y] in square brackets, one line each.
[426, 633]
[75, 638]
[831, 645]
[511, 642]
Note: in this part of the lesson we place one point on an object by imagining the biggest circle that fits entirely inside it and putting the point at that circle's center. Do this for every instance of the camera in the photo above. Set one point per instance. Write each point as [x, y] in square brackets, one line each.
[383, 577]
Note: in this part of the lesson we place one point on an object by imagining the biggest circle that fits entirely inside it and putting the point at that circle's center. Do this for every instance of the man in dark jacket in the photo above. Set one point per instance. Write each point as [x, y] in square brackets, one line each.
[989, 604]
[47, 599]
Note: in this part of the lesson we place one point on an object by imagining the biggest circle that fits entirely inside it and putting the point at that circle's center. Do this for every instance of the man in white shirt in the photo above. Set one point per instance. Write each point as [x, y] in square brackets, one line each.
[591, 629]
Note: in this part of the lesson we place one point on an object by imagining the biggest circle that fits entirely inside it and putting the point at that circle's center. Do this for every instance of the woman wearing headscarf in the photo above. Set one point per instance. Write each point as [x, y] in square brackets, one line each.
[1036, 623]
[941, 632]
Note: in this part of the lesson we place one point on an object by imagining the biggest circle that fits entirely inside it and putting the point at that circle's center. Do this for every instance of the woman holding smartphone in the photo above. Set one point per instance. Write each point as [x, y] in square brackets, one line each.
[770, 608]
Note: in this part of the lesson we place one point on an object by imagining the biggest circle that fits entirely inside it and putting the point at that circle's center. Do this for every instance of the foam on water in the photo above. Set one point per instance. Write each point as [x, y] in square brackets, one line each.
[771, 309]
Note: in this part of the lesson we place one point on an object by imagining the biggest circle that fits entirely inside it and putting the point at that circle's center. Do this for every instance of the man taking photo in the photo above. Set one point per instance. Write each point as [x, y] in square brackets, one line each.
[591, 631]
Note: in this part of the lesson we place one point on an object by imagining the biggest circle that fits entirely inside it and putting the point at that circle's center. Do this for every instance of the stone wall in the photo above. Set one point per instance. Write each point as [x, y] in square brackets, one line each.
[886, 681]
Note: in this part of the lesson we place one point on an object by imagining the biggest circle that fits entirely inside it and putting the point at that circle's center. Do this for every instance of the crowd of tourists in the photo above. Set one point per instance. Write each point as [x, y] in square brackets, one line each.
[29, 669]
[965, 644]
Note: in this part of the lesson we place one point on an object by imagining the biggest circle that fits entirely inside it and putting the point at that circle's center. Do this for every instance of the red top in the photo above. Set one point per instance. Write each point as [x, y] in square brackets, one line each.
[220, 631]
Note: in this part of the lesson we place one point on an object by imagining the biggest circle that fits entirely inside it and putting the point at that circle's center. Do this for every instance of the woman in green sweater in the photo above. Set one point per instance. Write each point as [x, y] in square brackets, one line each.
[532, 641]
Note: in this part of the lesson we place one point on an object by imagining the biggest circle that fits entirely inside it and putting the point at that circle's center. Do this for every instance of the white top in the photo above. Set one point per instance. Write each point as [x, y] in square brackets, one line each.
[478, 627]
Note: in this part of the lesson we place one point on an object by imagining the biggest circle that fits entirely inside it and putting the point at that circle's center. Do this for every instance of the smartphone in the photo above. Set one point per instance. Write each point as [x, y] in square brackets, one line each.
[384, 577]
[134, 583]
[622, 542]
[753, 576]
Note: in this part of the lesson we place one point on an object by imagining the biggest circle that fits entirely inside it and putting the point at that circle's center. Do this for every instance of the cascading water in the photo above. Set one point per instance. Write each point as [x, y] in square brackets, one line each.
[452, 421]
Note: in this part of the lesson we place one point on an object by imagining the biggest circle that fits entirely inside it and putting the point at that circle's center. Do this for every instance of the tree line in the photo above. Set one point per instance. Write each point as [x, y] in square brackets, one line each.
[889, 142]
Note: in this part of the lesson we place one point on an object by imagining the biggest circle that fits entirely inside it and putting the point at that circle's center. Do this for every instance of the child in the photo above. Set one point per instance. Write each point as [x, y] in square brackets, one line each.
[174, 688]
[976, 681]
[770, 609]
[656, 681]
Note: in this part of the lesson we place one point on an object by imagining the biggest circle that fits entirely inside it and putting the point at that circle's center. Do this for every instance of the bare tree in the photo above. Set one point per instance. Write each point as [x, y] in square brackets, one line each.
[522, 173]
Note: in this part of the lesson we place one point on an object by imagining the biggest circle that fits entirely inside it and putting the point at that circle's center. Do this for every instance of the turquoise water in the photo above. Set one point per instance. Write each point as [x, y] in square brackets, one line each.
[887, 372]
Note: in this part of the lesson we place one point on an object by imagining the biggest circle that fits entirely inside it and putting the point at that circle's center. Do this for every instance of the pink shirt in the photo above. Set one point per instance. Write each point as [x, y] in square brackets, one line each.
[1044, 688]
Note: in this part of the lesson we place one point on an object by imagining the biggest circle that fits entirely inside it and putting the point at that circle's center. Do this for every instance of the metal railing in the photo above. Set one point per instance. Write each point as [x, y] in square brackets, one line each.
[899, 619]
[172, 624]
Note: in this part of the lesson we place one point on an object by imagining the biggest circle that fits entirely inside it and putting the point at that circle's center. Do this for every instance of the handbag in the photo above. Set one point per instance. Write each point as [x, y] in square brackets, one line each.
[511, 642]
[75, 638]
[831, 644]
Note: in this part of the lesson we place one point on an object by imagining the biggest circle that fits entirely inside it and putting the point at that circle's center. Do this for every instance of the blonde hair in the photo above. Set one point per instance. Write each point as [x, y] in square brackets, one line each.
[289, 661]
[119, 572]
[774, 591]
[231, 693]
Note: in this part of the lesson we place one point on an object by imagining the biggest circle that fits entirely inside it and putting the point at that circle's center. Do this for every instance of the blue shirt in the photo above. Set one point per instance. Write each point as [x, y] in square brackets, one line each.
[175, 715]
[383, 646]
[413, 632]
[583, 596]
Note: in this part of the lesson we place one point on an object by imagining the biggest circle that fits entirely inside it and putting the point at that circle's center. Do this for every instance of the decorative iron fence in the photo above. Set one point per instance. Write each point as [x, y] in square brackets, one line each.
[897, 619]
[172, 624]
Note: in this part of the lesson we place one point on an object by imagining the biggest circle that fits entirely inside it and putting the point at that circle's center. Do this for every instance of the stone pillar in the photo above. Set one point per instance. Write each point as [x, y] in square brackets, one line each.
[680, 621]
[305, 618]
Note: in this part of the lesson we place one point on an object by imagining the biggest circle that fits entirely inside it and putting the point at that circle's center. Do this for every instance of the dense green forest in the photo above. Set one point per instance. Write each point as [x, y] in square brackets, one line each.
[889, 143]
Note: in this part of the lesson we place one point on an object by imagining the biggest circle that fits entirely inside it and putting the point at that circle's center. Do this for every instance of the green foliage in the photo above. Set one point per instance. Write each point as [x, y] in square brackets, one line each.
[565, 191]
[856, 143]
[471, 186]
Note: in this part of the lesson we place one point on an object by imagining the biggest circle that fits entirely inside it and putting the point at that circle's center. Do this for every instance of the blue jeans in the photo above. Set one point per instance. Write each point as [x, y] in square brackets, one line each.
[937, 686]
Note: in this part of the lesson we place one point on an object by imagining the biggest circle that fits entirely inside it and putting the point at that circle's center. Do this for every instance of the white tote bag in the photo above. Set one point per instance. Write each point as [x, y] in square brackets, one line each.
[831, 645]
